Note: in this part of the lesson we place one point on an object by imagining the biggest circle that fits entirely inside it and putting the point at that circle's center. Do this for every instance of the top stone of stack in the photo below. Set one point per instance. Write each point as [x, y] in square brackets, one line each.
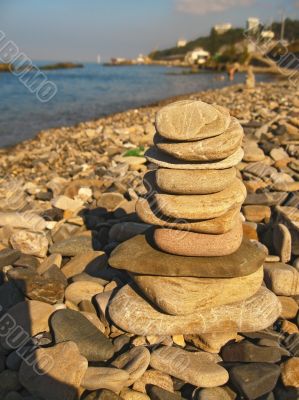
[190, 120]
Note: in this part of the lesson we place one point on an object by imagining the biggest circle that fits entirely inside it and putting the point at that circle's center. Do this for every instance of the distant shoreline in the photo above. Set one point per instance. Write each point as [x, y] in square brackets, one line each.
[116, 115]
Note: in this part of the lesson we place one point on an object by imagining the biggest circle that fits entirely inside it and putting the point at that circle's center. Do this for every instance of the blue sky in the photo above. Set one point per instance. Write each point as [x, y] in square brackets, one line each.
[78, 30]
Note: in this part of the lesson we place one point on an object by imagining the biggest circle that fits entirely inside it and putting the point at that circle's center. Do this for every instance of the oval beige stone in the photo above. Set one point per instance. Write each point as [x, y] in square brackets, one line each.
[164, 160]
[132, 313]
[183, 295]
[215, 148]
[82, 290]
[191, 120]
[202, 206]
[138, 255]
[184, 243]
[188, 367]
[148, 213]
[180, 181]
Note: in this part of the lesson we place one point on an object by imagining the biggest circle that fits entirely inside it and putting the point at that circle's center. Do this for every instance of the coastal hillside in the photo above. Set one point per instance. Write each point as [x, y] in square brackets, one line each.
[212, 43]
[215, 42]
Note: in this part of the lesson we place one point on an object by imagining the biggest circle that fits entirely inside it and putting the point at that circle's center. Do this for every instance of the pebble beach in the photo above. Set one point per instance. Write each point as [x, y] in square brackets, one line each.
[74, 216]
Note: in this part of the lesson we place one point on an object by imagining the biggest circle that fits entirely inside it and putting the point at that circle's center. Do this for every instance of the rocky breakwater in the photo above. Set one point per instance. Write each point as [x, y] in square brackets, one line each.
[194, 274]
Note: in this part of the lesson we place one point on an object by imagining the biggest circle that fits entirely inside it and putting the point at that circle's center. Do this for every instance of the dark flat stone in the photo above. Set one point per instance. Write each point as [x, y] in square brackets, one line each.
[266, 199]
[8, 256]
[264, 334]
[268, 396]
[72, 325]
[246, 351]
[254, 380]
[44, 196]
[272, 343]
[290, 393]
[157, 393]
[137, 255]
[102, 395]
[52, 214]
[9, 296]
[27, 261]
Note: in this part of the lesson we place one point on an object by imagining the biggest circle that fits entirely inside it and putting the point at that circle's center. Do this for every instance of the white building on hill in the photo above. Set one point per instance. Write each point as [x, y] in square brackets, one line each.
[197, 56]
[253, 24]
[181, 43]
[222, 28]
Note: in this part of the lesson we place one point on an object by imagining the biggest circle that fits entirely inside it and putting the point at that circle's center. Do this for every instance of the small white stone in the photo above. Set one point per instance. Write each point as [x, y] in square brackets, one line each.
[84, 194]
[51, 225]
[33, 243]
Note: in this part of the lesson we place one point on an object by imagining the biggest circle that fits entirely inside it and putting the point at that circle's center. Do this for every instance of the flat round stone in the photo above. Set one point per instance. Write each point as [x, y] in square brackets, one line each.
[164, 160]
[132, 313]
[180, 181]
[215, 148]
[137, 255]
[204, 206]
[184, 243]
[148, 213]
[185, 295]
[191, 120]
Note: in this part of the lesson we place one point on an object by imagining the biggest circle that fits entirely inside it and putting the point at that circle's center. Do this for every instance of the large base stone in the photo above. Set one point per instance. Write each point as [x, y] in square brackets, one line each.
[132, 313]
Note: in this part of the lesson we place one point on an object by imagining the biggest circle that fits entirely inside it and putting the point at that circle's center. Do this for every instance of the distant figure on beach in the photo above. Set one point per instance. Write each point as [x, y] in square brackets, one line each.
[232, 69]
[250, 78]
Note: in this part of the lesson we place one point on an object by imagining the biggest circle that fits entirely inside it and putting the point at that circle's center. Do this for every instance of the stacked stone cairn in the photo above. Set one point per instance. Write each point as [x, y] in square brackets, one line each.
[193, 274]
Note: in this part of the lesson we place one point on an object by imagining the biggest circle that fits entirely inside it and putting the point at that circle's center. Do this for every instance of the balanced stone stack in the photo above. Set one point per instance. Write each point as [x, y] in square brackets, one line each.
[195, 273]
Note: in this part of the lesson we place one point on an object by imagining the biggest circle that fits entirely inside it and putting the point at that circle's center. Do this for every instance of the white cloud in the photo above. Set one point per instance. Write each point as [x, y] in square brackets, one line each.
[203, 7]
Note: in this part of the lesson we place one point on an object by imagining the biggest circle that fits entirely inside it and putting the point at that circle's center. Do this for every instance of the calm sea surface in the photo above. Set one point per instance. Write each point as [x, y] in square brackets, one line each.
[91, 92]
